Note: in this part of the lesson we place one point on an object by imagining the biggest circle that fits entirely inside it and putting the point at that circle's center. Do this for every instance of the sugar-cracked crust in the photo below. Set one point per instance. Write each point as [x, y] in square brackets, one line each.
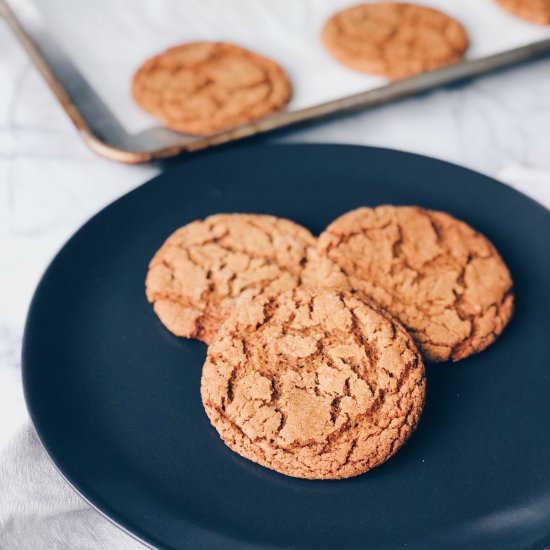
[535, 11]
[204, 87]
[314, 384]
[204, 267]
[445, 282]
[394, 40]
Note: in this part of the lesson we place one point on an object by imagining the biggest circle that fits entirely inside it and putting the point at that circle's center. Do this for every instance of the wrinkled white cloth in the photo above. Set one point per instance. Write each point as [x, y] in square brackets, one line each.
[38, 509]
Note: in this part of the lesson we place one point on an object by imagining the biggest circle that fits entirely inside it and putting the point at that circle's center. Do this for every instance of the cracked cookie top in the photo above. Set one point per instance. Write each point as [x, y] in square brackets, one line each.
[313, 383]
[205, 87]
[535, 11]
[394, 40]
[204, 267]
[442, 280]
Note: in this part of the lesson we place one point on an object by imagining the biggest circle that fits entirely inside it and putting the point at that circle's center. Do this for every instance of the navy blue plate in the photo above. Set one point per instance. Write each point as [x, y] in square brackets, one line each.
[115, 398]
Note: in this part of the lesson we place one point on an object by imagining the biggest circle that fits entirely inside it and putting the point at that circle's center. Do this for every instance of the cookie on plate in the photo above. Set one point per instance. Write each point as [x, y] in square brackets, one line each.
[204, 267]
[394, 40]
[204, 87]
[535, 11]
[445, 282]
[313, 384]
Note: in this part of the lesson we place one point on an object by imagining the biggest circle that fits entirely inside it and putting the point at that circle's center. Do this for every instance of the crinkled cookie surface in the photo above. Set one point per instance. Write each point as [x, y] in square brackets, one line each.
[204, 87]
[313, 384]
[445, 282]
[203, 268]
[394, 40]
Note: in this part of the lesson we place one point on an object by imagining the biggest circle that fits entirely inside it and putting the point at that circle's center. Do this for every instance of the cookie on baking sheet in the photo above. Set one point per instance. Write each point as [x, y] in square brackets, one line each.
[313, 384]
[535, 11]
[203, 267]
[394, 40]
[204, 87]
[442, 280]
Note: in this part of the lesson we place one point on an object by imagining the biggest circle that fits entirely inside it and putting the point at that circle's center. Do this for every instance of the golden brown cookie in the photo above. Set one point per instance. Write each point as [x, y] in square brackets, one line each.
[313, 384]
[442, 280]
[199, 272]
[394, 40]
[535, 11]
[205, 87]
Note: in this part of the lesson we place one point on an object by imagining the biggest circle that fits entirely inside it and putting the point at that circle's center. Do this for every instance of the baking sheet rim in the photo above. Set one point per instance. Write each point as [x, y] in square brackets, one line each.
[363, 100]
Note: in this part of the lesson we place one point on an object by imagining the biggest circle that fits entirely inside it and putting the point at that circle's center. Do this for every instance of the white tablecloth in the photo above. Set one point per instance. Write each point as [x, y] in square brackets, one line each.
[39, 511]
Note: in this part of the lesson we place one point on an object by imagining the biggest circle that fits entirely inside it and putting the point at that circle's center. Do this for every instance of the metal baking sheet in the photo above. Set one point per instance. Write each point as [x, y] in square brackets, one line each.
[88, 52]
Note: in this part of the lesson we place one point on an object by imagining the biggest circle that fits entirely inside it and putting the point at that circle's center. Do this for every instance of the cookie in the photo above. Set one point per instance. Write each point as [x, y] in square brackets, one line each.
[443, 281]
[535, 11]
[394, 40]
[313, 384]
[204, 267]
[205, 87]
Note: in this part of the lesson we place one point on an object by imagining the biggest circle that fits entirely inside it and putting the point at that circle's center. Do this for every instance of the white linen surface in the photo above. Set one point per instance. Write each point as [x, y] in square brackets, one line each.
[39, 511]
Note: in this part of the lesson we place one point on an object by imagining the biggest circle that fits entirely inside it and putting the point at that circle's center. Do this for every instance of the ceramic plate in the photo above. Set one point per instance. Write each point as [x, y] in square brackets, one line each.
[115, 397]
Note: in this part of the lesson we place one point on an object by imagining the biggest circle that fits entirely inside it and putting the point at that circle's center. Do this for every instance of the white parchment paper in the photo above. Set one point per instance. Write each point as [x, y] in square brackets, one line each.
[109, 39]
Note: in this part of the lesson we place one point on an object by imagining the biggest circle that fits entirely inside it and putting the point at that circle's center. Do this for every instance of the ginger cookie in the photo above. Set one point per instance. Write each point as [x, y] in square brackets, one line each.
[535, 11]
[204, 267]
[394, 40]
[313, 384]
[204, 87]
[443, 281]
